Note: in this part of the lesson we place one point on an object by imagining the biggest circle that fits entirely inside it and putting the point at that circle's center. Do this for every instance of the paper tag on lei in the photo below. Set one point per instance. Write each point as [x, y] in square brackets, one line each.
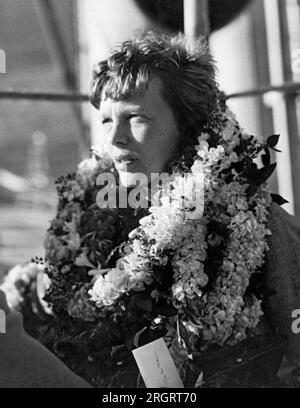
[157, 366]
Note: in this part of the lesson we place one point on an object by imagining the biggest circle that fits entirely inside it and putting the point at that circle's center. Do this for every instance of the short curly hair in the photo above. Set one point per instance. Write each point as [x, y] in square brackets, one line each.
[185, 68]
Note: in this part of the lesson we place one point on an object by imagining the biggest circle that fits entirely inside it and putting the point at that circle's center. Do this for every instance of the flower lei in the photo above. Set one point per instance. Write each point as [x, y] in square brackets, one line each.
[127, 278]
[221, 314]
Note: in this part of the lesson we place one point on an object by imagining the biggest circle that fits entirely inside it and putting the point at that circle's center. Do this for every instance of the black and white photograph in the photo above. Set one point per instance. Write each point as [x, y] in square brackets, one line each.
[149, 197]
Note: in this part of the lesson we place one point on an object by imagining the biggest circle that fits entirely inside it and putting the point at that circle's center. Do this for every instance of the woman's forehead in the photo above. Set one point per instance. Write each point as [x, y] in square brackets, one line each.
[151, 99]
[125, 105]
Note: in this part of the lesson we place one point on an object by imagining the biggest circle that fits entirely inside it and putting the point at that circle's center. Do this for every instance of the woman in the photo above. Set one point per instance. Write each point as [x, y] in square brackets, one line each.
[160, 107]
[155, 95]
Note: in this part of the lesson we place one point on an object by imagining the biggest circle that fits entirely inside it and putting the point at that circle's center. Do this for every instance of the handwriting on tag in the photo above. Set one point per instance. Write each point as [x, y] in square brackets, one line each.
[157, 366]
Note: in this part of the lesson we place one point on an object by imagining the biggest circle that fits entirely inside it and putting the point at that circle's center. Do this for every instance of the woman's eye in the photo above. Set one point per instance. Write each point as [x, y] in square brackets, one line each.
[137, 119]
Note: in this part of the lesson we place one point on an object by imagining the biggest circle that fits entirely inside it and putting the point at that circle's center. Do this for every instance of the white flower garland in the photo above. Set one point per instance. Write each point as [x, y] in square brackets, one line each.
[220, 316]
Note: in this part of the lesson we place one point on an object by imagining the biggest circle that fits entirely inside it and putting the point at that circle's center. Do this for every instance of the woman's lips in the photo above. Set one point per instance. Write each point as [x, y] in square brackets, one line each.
[126, 164]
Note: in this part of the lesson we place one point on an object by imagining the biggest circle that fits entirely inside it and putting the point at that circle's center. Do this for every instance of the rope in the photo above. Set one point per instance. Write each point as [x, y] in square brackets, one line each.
[47, 96]
[290, 87]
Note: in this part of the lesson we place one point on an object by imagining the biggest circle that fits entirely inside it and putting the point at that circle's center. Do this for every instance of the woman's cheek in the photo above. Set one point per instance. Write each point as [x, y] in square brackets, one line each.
[143, 133]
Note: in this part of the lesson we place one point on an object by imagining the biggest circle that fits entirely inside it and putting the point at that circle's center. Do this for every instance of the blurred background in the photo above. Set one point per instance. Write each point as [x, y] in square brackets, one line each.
[47, 49]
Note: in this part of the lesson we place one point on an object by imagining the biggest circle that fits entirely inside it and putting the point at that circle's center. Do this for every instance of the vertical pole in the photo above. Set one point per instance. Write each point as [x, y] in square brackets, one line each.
[262, 73]
[290, 101]
[196, 18]
[277, 101]
[56, 48]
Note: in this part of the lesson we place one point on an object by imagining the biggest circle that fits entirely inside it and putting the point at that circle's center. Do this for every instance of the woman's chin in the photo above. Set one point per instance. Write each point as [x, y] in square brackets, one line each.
[128, 179]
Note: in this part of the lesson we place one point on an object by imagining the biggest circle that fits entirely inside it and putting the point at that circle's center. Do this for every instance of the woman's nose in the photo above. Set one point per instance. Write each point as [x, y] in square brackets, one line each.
[119, 135]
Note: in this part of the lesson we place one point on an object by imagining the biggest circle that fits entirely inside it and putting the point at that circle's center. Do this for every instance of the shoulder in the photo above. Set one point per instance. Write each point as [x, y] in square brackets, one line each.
[283, 256]
[284, 244]
[280, 222]
[283, 273]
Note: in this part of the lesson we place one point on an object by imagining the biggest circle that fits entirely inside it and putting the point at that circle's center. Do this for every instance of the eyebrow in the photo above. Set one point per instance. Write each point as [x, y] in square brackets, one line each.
[128, 110]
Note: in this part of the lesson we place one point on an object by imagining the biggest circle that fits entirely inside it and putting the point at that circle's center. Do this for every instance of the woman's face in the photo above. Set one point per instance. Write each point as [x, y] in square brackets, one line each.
[140, 133]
